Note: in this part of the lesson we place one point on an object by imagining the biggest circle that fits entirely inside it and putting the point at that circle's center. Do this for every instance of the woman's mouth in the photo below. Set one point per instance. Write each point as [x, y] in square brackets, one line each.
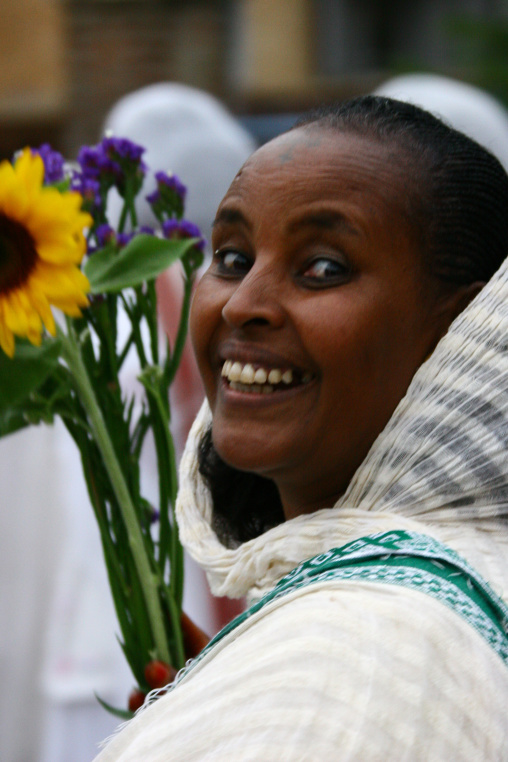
[256, 379]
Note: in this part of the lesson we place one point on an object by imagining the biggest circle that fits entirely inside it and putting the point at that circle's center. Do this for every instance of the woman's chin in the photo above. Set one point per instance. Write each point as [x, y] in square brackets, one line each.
[245, 452]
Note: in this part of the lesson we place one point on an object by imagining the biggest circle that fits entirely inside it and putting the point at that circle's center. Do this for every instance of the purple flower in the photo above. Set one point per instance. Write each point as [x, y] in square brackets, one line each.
[105, 234]
[124, 238]
[95, 164]
[123, 149]
[89, 189]
[168, 198]
[172, 182]
[183, 229]
[114, 162]
[53, 163]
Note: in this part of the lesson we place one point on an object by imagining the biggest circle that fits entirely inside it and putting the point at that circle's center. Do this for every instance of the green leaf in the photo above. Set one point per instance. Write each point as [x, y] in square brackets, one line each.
[144, 258]
[124, 714]
[11, 421]
[25, 372]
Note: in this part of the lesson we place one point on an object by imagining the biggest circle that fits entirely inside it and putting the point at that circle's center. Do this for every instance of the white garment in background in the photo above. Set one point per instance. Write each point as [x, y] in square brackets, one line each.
[461, 105]
[187, 132]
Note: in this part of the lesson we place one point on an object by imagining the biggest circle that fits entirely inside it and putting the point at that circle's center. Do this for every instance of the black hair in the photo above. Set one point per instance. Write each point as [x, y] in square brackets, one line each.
[456, 189]
[457, 198]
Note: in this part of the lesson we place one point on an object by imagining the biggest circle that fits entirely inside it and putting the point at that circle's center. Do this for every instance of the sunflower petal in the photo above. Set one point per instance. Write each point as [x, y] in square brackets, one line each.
[13, 198]
[41, 304]
[14, 314]
[29, 167]
[6, 336]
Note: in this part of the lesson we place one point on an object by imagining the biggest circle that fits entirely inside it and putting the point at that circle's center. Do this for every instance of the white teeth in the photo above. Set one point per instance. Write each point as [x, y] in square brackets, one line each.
[246, 377]
[226, 368]
[247, 374]
[235, 371]
[260, 376]
[274, 376]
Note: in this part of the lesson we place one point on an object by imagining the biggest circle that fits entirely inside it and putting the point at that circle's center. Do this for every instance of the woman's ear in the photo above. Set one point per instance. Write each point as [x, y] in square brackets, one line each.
[450, 305]
[456, 302]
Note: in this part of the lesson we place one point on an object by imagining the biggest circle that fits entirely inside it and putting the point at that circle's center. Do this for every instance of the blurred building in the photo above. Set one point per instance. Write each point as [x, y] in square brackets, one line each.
[64, 62]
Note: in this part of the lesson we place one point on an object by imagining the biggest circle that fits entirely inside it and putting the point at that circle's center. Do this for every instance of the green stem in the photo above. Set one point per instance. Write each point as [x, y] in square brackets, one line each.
[147, 579]
[182, 332]
[123, 217]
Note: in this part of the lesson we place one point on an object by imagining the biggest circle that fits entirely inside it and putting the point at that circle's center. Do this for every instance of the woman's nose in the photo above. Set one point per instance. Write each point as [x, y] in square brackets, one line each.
[256, 300]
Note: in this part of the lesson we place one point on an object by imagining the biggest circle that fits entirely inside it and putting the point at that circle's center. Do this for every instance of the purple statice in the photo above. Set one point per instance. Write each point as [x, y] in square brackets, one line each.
[97, 165]
[103, 235]
[124, 238]
[122, 149]
[89, 188]
[114, 162]
[53, 163]
[146, 229]
[168, 197]
[173, 182]
[183, 229]
[178, 229]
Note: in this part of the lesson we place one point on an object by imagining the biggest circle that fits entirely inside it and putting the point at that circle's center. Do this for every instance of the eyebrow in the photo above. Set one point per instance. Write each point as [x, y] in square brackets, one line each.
[230, 217]
[326, 220]
[329, 220]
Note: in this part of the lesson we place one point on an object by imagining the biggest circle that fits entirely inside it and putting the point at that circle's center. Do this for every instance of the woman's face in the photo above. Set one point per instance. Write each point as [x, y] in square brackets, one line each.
[314, 314]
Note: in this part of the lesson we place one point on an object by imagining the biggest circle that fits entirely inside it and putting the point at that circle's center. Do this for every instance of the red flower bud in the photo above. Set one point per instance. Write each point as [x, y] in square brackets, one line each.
[136, 699]
[194, 639]
[158, 674]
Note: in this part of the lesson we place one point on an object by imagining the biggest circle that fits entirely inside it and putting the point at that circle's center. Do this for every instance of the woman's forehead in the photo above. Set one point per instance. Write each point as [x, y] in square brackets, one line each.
[323, 160]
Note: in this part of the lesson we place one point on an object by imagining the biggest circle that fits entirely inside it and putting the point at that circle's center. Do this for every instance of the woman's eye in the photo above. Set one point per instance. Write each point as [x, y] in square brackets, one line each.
[232, 262]
[325, 269]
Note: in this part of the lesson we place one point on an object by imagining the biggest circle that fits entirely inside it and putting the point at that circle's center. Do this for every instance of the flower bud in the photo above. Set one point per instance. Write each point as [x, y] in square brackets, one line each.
[158, 674]
[136, 699]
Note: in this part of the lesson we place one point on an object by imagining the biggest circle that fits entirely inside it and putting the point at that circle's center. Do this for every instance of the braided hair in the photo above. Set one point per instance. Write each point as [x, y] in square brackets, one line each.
[457, 202]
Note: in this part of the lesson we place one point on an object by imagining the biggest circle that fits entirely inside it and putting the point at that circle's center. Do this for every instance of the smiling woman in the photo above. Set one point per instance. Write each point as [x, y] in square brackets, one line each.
[324, 279]
[355, 428]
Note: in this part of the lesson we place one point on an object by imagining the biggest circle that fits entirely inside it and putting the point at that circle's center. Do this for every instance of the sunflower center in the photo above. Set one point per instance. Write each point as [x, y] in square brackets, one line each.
[18, 254]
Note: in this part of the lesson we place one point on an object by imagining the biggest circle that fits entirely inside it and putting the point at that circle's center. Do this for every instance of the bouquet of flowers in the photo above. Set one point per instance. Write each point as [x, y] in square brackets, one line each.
[59, 249]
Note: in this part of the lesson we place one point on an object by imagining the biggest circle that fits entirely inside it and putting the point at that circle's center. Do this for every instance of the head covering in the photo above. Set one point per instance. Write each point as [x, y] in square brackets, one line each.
[439, 467]
[462, 106]
[189, 133]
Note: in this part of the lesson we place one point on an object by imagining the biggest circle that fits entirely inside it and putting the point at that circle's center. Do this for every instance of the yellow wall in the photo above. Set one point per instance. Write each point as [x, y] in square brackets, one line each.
[32, 50]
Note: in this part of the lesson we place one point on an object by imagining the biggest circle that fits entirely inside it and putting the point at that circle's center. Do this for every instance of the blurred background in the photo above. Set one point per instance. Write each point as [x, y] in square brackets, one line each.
[63, 63]
[64, 67]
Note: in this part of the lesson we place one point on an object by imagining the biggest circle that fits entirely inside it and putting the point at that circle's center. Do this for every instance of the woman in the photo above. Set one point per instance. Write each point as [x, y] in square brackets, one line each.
[348, 408]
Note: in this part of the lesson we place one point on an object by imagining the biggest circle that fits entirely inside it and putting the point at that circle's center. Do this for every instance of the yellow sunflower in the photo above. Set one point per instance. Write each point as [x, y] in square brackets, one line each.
[41, 247]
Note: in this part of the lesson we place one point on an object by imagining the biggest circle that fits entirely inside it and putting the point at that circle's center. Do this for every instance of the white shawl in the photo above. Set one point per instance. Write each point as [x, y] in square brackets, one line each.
[355, 670]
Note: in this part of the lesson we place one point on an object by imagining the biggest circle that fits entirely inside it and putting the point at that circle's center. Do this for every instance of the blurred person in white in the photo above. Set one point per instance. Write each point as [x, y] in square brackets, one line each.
[57, 623]
[464, 107]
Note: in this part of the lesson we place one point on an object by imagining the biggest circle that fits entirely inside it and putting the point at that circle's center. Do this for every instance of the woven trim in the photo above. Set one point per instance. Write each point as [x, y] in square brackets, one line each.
[402, 558]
